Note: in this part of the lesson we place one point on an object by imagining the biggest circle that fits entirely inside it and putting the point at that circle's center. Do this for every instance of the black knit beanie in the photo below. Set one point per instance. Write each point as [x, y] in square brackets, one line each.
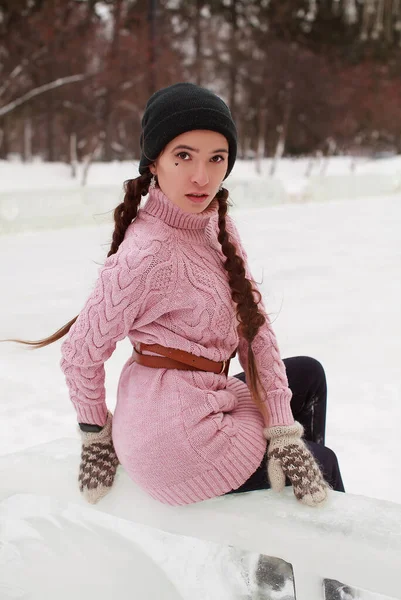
[179, 108]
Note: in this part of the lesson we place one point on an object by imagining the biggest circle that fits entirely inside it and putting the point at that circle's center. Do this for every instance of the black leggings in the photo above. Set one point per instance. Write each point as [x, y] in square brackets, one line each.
[307, 381]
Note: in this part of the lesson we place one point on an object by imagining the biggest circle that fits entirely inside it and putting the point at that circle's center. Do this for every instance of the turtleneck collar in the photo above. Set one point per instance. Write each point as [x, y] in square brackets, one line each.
[160, 206]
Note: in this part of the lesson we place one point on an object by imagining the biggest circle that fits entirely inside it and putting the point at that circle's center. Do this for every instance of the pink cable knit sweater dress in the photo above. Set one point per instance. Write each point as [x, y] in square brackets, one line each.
[183, 436]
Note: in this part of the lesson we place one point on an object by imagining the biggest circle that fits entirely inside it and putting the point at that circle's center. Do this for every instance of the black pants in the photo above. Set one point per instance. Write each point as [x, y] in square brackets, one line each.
[307, 381]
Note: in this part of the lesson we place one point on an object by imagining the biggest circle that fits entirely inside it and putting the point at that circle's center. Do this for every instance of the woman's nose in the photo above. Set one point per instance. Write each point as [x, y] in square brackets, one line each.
[200, 175]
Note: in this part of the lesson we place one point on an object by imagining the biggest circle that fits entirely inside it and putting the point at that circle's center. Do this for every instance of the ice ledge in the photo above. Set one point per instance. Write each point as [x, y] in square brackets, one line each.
[353, 539]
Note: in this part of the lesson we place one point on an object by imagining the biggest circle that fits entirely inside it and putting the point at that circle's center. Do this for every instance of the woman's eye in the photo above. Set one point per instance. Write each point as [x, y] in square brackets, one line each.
[181, 153]
[218, 156]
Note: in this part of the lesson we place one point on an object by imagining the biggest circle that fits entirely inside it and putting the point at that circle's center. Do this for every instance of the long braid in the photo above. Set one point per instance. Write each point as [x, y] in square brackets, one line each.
[124, 214]
[127, 211]
[242, 293]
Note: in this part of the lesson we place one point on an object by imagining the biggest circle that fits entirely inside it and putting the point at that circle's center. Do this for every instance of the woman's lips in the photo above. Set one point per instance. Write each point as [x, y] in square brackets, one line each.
[197, 198]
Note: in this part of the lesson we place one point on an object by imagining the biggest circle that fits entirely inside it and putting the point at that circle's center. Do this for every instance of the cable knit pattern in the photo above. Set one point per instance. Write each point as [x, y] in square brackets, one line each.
[183, 436]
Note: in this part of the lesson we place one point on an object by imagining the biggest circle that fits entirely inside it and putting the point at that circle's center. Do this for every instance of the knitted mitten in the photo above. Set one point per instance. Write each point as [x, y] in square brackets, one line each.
[289, 457]
[98, 462]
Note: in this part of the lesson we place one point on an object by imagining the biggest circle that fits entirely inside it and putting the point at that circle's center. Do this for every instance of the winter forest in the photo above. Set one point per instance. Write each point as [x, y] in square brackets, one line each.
[300, 76]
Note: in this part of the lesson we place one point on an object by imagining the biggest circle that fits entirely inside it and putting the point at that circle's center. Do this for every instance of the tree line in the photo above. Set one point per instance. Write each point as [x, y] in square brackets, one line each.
[300, 76]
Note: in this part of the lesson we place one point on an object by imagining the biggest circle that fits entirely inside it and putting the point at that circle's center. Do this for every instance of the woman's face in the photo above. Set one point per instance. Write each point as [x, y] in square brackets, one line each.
[194, 162]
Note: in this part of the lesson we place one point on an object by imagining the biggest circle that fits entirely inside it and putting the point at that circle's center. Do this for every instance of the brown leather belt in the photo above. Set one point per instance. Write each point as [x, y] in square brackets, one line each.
[177, 359]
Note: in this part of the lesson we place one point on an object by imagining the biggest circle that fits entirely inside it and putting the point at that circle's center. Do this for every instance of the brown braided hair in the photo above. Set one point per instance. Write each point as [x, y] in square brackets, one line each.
[242, 292]
[249, 317]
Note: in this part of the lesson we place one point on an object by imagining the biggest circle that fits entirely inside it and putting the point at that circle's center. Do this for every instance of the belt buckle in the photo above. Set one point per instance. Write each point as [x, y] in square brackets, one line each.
[223, 367]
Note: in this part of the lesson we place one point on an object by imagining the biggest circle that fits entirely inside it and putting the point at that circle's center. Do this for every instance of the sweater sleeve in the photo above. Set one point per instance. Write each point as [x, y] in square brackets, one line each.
[132, 282]
[271, 369]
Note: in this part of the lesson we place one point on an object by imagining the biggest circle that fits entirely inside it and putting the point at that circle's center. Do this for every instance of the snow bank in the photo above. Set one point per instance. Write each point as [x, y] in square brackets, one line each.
[41, 196]
[50, 208]
[54, 544]
[337, 187]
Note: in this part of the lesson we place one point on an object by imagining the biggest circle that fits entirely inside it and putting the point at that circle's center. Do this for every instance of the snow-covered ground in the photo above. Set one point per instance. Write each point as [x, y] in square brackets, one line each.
[330, 274]
[292, 173]
[327, 251]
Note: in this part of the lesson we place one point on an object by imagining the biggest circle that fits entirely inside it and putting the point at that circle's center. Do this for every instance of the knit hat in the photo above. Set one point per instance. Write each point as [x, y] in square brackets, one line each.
[179, 108]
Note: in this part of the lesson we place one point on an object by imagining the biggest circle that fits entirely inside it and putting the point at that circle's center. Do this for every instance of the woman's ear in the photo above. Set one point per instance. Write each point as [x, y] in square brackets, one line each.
[152, 169]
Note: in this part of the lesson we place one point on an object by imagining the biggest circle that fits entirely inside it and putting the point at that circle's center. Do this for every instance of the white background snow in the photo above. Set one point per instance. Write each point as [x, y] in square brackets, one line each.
[331, 280]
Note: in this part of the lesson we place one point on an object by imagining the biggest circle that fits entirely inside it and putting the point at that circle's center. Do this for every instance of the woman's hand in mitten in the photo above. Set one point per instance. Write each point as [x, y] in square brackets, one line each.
[98, 462]
[289, 457]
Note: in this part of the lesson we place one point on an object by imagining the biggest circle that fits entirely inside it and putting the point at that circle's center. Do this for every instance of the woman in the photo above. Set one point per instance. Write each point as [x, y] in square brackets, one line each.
[176, 281]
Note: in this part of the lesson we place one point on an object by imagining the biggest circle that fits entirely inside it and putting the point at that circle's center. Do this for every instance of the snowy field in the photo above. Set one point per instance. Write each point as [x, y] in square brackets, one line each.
[330, 277]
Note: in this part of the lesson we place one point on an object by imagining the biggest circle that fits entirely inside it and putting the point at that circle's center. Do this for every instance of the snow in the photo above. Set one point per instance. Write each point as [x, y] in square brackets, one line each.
[329, 270]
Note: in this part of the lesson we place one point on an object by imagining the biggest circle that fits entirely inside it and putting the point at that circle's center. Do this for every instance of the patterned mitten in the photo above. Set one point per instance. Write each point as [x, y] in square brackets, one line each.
[98, 462]
[289, 457]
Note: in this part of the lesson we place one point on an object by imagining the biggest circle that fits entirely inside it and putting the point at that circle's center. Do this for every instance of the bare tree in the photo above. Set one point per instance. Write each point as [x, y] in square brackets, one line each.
[42, 89]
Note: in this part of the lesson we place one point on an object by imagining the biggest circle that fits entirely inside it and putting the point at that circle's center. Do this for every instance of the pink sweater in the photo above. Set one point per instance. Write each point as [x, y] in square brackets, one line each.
[183, 436]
